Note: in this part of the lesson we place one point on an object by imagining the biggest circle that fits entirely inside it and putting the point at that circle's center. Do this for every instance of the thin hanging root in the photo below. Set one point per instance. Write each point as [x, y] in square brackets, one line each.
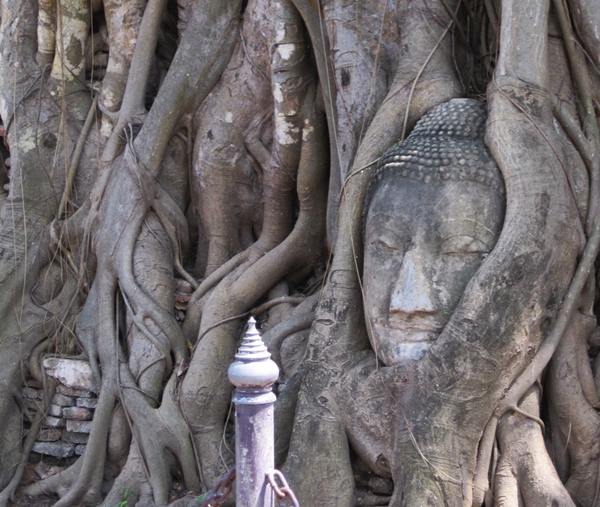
[7, 493]
[255, 311]
[570, 305]
[571, 126]
[581, 78]
[516, 409]
[216, 276]
[420, 73]
[76, 157]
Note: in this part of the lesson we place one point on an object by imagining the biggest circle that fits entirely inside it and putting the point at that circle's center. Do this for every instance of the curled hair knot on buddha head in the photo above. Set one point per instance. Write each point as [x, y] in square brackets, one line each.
[446, 144]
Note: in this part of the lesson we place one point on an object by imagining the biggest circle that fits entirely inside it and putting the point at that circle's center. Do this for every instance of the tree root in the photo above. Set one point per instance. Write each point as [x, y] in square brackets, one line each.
[274, 337]
[205, 389]
[573, 418]
[525, 472]
[155, 431]
[8, 492]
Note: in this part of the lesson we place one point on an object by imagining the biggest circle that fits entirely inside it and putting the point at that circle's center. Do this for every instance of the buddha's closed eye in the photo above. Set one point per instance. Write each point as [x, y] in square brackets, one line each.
[464, 244]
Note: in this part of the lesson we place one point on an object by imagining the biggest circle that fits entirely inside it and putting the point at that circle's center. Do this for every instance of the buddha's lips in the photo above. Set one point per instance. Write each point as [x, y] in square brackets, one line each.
[422, 326]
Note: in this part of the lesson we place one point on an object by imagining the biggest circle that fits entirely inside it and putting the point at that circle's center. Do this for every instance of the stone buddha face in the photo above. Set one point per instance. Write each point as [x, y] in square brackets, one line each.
[427, 230]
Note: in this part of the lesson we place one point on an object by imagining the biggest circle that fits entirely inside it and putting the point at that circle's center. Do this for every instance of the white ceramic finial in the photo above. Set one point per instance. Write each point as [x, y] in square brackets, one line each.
[253, 367]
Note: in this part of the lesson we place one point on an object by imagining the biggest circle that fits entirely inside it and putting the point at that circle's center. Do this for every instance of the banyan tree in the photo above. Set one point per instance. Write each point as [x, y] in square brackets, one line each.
[404, 193]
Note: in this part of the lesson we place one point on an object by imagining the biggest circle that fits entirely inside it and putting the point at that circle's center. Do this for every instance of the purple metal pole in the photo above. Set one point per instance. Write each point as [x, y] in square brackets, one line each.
[253, 373]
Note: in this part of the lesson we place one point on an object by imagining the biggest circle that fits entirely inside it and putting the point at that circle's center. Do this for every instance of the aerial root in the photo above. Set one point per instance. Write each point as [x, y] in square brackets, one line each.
[275, 337]
[8, 492]
[525, 469]
[155, 431]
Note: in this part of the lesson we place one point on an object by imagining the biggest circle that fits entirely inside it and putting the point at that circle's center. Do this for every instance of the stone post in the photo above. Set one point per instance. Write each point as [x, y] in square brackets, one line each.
[253, 373]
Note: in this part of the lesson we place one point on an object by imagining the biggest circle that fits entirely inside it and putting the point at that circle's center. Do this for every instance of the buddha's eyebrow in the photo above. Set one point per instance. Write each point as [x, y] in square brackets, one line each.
[383, 225]
[468, 236]
[481, 227]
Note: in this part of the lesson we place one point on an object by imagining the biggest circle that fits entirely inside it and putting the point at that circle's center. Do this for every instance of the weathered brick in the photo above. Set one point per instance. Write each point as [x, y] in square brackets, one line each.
[78, 413]
[72, 391]
[31, 393]
[57, 449]
[54, 422]
[79, 426]
[79, 449]
[71, 372]
[55, 410]
[87, 402]
[62, 400]
[49, 435]
[76, 438]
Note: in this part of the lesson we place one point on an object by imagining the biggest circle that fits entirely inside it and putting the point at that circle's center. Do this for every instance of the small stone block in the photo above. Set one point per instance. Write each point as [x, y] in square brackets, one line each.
[49, 435]
[72, 391]
[79, 426]
[36, 384]
[78, 413]
[33, 404]
[54, 422]
[31, 393]
[55, 410]
[79, 449]
[71, 372]
[76, 438]
[57, 449]
[62, 400]
[87, 402]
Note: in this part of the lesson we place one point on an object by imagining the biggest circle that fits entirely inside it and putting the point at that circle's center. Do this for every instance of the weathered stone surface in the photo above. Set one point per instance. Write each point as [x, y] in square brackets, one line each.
[58, 449]
[87, 402]
[76, 438]
[33, 404]
[62, 400]
[74, 392]
[49, 435]
[55, 410]
[54, 422]
[79, 449]
[31, 393]
[71, 373]
[31, 382]
[78, 413]
[79, 426]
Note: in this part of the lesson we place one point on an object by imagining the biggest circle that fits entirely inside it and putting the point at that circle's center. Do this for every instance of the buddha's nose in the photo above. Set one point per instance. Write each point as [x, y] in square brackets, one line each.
[412, 293]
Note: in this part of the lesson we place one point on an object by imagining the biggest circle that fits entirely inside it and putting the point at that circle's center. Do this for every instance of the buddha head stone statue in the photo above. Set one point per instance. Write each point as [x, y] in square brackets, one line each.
[434, 210]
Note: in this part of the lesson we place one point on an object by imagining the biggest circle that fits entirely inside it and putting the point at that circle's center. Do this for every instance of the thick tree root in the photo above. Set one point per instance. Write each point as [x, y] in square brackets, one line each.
[525, 472]
[206, 389]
